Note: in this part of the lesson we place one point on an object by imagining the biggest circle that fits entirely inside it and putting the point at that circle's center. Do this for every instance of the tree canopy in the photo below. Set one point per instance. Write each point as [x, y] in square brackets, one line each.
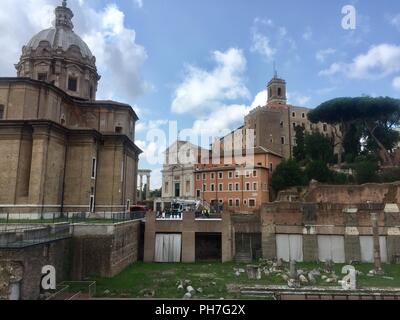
[368, 118]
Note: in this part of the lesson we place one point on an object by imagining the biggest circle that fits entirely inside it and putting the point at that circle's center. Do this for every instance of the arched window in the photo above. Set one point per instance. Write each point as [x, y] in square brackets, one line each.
[1, 112]
[279, 92]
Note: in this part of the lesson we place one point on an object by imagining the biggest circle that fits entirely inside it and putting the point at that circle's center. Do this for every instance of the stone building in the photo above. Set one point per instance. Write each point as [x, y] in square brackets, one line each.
[240, 185]
[274, 124]
[178, 172]
[60, 149]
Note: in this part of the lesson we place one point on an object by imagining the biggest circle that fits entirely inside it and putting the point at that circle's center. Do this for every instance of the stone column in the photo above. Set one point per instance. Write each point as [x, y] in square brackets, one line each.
[377, 247]
[148, 187]
[141, 187]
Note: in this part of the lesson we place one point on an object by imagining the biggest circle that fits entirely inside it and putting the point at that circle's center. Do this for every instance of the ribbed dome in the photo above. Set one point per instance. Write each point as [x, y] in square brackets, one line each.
[60, 38]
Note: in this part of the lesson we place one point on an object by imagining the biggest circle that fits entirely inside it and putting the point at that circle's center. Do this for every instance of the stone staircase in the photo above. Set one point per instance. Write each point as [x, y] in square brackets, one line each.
[243, 257]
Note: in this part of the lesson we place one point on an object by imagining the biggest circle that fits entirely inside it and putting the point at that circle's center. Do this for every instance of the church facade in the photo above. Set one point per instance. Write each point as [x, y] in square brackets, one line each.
[61, 150]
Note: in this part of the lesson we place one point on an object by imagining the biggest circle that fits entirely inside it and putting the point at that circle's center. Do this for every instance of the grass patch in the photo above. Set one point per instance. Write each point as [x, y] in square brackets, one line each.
[214, 278]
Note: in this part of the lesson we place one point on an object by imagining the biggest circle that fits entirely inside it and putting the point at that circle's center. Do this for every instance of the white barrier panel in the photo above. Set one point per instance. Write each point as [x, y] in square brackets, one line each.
[367, 249]
[289, 247]
[331, 248]
[168, 248]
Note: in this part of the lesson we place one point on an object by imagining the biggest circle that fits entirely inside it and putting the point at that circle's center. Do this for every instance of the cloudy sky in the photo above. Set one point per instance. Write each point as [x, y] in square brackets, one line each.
[206, 63]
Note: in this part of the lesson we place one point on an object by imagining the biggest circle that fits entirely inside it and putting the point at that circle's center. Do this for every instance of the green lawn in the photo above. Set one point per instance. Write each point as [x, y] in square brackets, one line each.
[214, 278]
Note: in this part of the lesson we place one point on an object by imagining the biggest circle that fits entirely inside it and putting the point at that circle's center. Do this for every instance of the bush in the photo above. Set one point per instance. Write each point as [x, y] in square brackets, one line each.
[366, 171]
[390, 175]
[286, 175]
[341, 178]
[318, 170]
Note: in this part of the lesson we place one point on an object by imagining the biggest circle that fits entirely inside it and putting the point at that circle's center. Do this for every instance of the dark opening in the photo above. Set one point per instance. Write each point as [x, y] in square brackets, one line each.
[42, 76]
[208, 246]
[73, 84]
[118, 130]
[279, 92]
[248, 246]
[1, 112]
[177, 189]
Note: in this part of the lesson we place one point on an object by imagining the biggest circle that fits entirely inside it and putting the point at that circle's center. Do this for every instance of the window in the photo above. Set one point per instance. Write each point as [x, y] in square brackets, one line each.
[237, 187]
[237, 202]
[204, 176]
[247, 174]
[279, 92]
[252, 203]
[91, 204]
[325, 128]
[283, 140]
[255, 187]
[294, 114]
[281, 124]
[230, 187]
[1, 112]
[212, 187]
[73, 84]
[220, 175]
[245, 202]
[212, 176]
[247, 186]
[254, 173]
[94, 168]
[197, 177]
[42, 76]
[198, 193]
[204, 187]
[230, 175]
[237, 174]
[294, 125]
[118, 130]
[230, 202]
[220, 187]
[271, 167]
[303, 115]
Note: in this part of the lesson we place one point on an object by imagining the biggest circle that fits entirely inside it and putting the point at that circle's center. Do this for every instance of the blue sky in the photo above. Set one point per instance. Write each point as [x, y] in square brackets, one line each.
[206, 63]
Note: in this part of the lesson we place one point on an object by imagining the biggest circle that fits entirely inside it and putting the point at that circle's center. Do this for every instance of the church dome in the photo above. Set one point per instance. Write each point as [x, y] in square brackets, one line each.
[59, 56]
[63, 38]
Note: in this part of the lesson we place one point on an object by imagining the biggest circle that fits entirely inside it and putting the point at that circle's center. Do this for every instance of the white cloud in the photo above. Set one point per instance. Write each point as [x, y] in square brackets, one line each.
[321, 55]
[261, 45]
[150, 125]
[223, 120]
[260, 100]
[119, 57]
[138, 3]
[307, 35]
[298, 99]
[268, 38]
[203, 90]
[380, 61]
[395, 21]
[396, 83]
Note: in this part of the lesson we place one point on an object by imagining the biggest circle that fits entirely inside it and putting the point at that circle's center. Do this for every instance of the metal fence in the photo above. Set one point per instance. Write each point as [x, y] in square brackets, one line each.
[72, 290]
[71, 217]
[19, 236]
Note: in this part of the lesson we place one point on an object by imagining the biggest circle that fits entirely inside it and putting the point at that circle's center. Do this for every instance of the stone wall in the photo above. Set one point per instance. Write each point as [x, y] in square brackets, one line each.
[311, 220]
[31, 261]
[104, 250]
[354, 194]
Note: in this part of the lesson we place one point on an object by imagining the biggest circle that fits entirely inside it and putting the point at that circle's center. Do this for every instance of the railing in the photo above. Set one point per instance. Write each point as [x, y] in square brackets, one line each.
[200, 215]
[70, 290]
[17, 236]
[169, 216]
[71, 217]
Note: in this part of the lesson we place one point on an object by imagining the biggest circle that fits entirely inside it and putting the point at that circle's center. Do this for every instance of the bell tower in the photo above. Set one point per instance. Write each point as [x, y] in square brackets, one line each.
[277, 90]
